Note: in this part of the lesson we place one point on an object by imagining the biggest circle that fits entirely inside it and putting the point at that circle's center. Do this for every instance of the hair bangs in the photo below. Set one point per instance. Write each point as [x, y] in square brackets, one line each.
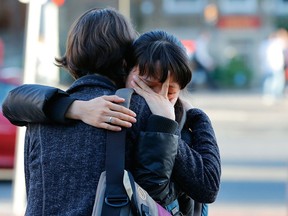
[156, 63]
[157, 53]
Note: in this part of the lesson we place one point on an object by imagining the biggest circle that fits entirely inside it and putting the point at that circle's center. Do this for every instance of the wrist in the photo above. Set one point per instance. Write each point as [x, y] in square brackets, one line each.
[166, 113]
[74, 111]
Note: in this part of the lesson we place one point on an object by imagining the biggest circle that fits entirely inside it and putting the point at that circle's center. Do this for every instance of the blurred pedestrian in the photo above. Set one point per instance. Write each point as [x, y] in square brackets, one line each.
[273, 63]
[203, 62]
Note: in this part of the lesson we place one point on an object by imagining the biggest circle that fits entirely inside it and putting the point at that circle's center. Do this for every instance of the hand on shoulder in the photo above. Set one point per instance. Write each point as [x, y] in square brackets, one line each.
[102, 112]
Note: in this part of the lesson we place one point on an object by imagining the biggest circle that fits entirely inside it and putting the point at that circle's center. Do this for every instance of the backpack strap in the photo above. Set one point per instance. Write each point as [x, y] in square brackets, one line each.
[115, 194]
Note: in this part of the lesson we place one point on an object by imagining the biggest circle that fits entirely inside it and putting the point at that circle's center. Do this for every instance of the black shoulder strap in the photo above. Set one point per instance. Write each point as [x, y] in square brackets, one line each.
[115, 194]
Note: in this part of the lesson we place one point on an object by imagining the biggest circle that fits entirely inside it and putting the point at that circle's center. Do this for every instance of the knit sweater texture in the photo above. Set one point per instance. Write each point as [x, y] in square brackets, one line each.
[66, 160]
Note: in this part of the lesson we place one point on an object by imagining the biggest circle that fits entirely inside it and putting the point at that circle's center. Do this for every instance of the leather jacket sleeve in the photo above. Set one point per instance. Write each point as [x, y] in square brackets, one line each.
[155, 156]
[36, 103]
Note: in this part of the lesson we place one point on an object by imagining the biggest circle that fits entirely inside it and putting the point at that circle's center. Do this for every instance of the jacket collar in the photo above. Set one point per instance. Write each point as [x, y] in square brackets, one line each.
[92, 80]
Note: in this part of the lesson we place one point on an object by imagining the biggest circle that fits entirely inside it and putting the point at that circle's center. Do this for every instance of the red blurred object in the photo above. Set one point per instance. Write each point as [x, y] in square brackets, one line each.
[189, 45]
[7, 130]
[58, 2]
[7, 143]
[239, 22]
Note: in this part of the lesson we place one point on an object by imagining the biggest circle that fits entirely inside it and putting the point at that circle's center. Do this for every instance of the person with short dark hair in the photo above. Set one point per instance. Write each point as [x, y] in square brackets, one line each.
[63, 163]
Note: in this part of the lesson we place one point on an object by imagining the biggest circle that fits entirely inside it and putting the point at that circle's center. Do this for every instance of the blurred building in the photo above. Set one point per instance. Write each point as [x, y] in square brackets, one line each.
[236, 27]
[12, 22]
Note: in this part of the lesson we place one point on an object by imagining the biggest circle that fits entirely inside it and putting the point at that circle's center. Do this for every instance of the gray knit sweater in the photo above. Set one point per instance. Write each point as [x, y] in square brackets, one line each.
[72, 156]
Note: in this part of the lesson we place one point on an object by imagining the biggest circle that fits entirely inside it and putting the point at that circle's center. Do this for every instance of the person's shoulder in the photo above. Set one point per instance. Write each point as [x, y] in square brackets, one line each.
[138, 104]
[197, 112]
[140, 107]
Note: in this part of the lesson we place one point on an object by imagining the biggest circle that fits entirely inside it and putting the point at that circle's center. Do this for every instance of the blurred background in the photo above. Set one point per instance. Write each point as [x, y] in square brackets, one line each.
[238, 51]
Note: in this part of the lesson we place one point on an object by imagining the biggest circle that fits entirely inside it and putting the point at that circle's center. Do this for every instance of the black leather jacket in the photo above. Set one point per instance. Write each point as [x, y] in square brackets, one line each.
[195, 163]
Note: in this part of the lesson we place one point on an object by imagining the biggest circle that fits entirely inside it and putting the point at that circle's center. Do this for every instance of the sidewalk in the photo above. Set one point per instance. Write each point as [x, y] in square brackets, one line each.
[252, 137]
[253, 210]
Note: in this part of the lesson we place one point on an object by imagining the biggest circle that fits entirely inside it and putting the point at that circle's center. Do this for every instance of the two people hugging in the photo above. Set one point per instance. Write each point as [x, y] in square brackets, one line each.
[66, 130]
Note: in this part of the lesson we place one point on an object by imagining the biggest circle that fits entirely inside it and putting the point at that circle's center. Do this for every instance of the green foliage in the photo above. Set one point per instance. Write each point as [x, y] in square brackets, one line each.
[236, 74]
[281, 22]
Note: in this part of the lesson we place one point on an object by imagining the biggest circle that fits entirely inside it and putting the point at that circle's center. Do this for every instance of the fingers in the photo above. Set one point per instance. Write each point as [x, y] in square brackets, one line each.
[174, 100]
[110, 120]
[104, 112]
[142, 84]
[141, 88]
[116, 115]
[113, 123]
[165, 86]
[137, 89]
[110, 127]
[116, 107]
[117, 120]
[113, 98]
[122, 110]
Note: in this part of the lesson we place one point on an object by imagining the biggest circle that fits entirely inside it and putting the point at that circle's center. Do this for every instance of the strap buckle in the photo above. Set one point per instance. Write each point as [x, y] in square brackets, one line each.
[116, 200]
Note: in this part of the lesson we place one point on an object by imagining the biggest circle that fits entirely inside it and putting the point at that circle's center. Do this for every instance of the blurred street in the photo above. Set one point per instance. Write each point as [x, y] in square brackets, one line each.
[252, 137]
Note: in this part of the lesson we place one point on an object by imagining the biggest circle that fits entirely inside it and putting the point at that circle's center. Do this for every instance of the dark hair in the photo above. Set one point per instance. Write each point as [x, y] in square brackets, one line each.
[157, 52]
[97, 43]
